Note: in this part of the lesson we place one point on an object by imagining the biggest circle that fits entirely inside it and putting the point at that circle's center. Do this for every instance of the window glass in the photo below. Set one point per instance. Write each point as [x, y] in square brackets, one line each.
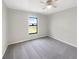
[33, 25]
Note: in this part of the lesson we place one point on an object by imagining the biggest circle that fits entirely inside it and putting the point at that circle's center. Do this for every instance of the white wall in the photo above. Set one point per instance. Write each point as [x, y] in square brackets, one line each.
[4, 29]
[18, 26]
[60, 25]
[63, 26]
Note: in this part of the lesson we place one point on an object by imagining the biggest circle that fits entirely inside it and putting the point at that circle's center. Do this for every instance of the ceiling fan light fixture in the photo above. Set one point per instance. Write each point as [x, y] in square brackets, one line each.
[49, 6]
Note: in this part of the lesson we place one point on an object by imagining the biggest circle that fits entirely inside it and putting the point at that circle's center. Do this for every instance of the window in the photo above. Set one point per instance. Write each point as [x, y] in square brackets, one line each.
[33, 28]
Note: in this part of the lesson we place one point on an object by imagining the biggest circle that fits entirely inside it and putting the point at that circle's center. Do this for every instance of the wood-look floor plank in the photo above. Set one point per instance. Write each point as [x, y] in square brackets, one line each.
[42, 48]
[31, 52]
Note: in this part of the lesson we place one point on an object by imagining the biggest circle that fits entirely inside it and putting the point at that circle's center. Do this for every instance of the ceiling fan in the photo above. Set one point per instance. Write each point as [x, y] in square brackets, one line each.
[48, 3]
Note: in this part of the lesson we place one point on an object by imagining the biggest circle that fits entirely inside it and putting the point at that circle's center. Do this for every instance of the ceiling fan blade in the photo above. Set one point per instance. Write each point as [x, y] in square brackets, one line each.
[53, 4]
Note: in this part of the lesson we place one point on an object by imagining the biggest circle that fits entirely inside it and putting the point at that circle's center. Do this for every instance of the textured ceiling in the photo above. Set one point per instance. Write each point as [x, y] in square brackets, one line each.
[36, 6]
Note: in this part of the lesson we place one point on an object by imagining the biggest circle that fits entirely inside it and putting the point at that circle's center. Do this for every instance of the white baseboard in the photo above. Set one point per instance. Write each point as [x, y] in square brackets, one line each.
[26, 40]
[44, 36]
[4, 51]
[64, 41]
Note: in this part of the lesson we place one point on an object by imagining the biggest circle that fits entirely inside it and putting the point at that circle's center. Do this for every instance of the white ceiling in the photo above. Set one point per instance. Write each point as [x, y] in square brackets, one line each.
[36, 6]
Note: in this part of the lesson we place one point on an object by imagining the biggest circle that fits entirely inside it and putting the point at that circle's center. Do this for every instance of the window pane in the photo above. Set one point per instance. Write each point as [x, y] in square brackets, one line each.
[32, 25]
[32, 29]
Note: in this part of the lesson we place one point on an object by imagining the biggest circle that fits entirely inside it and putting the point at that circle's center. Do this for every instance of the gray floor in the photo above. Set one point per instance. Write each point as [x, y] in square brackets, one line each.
[42, 48]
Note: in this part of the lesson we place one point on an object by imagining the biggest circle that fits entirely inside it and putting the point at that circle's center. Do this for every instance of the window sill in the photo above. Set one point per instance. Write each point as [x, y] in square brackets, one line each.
[32, 33]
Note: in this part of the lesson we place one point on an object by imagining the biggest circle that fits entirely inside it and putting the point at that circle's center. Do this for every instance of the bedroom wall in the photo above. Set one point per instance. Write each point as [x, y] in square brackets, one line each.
[60, 25]
[4, 29]
[18, 26]
[63, 26]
